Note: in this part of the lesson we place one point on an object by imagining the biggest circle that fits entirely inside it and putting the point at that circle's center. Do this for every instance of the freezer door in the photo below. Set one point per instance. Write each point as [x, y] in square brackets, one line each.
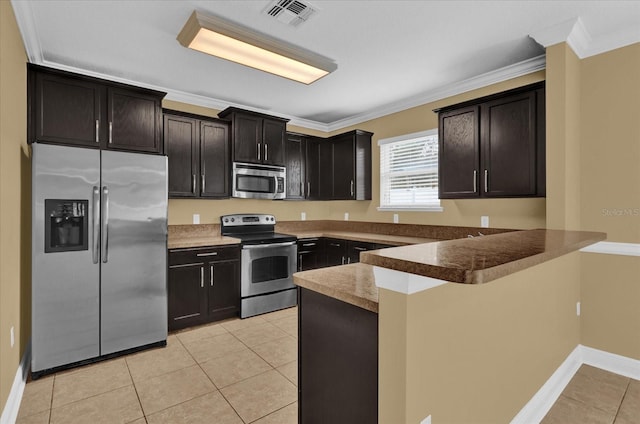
[134, 250]
[65, 283]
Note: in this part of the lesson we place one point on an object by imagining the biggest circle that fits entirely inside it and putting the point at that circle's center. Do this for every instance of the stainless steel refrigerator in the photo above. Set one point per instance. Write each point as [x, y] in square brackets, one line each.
[99, 251]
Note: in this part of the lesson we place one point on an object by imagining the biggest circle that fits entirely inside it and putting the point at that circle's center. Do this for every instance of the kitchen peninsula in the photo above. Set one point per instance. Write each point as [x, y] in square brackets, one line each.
[400, 320]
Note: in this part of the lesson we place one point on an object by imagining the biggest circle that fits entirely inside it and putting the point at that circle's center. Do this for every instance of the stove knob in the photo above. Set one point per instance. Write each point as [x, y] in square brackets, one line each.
[226, 220]
[233, 219]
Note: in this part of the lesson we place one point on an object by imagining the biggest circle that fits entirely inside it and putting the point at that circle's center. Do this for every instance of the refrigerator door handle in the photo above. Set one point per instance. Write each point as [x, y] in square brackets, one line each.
[95, 226]
[105, 224]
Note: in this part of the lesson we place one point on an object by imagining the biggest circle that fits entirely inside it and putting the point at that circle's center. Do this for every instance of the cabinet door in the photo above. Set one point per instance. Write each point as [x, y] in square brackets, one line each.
[67, 111]
[312, 169]
[134, 121]
[325, 174]
[223, 279]
[273, 135]
[509, 146]
[335, 252]
[247, 138]
[181, 147]
[214, 159]
[186, 296]
[355, 247]
[343, 168]
[294, 162]
[459, 156]
[310, 254]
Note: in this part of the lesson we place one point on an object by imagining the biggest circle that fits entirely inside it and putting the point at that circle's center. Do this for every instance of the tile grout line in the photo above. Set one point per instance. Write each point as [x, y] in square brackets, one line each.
[135, 389]
[626, 390]
[273, 412]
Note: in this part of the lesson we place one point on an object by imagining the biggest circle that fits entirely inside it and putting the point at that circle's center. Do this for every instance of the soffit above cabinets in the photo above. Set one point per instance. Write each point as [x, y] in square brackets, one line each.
[391, 55]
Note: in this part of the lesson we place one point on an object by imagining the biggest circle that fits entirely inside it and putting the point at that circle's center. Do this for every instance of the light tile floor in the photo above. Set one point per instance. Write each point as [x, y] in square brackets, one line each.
[238, 371]
[245, 371]
[595, 396]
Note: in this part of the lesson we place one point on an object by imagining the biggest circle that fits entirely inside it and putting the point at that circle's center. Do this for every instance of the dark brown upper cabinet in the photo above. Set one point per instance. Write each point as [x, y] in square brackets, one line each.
[351, 166]
[295, 147]
[335, 168]
[256, 138]
[302, 156]
[494, 146]
[199, 155]
[77, 110]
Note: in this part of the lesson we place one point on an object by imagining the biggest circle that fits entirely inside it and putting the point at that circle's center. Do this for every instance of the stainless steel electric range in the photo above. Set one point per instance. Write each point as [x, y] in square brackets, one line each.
[268, 261]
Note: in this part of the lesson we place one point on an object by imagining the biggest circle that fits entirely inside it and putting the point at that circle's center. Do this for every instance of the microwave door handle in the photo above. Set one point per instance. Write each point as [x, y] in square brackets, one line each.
[275, 186]
[105, 225]
[95, 225]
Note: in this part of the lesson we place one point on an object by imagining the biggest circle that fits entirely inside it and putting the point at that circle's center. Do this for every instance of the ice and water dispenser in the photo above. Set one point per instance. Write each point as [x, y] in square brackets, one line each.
[66, 225]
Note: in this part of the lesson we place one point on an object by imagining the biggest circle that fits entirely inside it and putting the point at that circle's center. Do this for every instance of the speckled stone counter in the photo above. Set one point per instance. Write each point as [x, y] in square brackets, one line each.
[366, 237]
[352, 284]
[185, 236]
[481, 259]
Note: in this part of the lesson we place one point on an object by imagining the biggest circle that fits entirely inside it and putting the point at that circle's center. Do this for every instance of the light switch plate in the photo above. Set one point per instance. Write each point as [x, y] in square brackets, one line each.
[196, 218]
[396, 219]
[346, 216]
[303, 216]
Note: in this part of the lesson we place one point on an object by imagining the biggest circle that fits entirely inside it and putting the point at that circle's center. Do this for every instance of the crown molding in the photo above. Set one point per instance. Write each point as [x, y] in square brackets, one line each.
[575, 34]
[27, 27]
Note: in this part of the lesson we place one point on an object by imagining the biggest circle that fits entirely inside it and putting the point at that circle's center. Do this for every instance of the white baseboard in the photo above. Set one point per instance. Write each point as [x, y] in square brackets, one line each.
[10, 411]
[535, 410]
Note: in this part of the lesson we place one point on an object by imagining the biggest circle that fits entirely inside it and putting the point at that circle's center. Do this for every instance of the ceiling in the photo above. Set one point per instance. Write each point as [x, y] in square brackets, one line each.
[391, 55]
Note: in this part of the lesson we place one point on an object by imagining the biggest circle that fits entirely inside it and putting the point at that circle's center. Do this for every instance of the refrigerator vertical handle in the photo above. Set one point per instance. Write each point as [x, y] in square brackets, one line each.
[105, 224]
[95, 225]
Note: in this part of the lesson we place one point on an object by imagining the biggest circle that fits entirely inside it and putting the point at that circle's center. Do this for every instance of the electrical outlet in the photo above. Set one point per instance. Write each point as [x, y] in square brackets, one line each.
[13, 337]
[484, 221]
[396, 219]
[196, 218]
[303, 216]
[346, 216]
[577, 308]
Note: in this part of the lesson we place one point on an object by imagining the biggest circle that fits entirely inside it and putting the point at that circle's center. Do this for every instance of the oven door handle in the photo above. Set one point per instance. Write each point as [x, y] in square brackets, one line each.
[264, 246]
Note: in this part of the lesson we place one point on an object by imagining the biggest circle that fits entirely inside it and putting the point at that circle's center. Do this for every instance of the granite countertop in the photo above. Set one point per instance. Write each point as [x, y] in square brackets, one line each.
[361, 236]
[481, 259]
[352, 284]
[200, 241]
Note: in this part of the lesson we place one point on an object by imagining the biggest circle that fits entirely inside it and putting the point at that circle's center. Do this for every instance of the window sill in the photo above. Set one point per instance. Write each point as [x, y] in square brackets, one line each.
[410, 208]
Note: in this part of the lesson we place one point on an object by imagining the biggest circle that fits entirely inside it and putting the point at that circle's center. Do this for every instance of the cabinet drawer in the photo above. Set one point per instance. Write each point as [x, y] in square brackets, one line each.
[309, 244]
[204, 254]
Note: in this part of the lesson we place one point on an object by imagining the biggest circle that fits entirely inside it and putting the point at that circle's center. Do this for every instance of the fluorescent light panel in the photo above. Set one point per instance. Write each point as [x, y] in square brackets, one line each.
[238, 44]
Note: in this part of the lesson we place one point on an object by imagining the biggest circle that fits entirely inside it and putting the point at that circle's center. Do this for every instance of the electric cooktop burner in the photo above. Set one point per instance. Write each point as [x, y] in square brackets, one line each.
[253, 229]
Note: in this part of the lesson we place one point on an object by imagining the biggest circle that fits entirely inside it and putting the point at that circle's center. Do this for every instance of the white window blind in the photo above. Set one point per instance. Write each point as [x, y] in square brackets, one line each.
[409, 172]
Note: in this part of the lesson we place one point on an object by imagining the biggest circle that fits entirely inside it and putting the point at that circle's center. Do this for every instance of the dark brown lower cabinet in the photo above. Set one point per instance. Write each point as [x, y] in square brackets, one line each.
[337, 361]
[203, 285]
[310, 254]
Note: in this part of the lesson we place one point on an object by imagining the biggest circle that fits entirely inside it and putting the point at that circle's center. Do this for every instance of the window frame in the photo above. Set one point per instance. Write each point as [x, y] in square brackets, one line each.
[431, 207]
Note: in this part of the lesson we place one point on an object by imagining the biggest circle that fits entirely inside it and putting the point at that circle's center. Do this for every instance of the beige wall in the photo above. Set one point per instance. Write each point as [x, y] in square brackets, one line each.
[610, 198]
[15, 198]
[476, 353]
[503, 213]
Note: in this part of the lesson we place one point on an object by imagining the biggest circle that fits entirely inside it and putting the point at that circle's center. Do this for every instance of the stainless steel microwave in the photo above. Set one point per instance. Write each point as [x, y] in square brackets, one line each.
[251, 181]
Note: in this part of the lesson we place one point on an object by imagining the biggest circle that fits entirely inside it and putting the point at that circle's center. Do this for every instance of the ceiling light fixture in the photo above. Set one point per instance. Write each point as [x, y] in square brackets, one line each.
[233, 42]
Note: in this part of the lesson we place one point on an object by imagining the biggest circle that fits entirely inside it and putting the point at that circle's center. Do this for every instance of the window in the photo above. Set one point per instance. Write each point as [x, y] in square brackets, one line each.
[409, 172]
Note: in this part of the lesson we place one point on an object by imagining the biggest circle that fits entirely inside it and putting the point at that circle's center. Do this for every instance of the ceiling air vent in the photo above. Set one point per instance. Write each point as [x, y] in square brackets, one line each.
[290, 12]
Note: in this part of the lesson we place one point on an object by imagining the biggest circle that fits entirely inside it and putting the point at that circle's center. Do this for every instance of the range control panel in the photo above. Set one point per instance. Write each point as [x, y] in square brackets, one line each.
[247, 219]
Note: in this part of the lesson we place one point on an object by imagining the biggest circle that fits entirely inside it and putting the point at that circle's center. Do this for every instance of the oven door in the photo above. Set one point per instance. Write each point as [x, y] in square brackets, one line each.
[267, 268]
